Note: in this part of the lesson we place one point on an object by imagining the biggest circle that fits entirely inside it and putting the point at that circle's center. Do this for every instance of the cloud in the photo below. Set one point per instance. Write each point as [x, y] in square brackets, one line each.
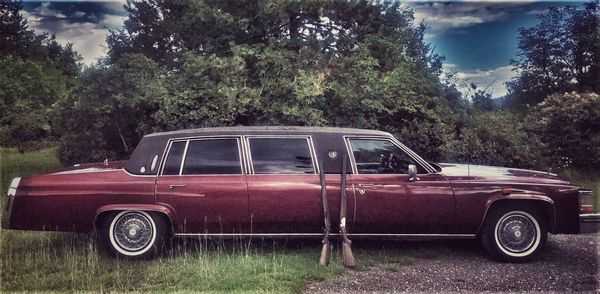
[491, 80]
[443, 16]
[84, 25]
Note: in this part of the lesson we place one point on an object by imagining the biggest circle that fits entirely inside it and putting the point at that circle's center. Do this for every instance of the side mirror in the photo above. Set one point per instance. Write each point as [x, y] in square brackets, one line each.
[412, 173]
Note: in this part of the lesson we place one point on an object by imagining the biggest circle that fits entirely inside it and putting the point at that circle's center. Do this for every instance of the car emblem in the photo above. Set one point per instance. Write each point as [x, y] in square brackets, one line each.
[332, 154]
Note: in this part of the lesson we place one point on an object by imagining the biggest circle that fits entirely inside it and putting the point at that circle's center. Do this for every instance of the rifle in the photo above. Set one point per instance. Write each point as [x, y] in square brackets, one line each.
[347, 256]
[326, 250]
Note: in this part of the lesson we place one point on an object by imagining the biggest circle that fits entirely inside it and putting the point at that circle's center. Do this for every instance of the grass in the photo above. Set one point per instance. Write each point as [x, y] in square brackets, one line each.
[589, 180]
[50, 261]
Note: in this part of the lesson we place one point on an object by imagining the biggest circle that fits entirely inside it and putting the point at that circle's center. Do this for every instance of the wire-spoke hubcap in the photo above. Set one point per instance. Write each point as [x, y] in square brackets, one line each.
[133, 231]
[517, 232]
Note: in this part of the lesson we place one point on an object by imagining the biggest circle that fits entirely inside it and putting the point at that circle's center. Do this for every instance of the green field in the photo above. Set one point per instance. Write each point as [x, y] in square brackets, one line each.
[47, 261]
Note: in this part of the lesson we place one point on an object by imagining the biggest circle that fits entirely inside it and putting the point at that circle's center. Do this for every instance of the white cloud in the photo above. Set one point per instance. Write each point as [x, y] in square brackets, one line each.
[442, 16]
[88, 38]
[492, 80]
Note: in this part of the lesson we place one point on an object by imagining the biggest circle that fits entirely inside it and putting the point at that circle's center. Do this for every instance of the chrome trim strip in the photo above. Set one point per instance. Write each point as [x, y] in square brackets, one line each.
[321, 234]
[590, 218]
[187, 144]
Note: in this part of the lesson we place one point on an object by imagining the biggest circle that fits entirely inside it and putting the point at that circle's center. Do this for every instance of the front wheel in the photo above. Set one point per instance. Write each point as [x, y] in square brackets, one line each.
[134, 234]
[514, 234]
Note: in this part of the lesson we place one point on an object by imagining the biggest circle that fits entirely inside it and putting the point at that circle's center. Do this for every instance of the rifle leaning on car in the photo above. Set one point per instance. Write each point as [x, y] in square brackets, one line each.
[326, 250]
[347, 256]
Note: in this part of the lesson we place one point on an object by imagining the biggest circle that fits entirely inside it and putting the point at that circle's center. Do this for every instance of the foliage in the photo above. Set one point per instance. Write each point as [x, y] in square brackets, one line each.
[569, 128]
[35, 71]
[560, 54]
[360, 64]
[109, 110]
[496, 138]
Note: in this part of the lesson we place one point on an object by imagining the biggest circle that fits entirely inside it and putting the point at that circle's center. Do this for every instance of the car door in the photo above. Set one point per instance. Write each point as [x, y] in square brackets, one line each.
[283, 185]
[203, 181]
[387, 202]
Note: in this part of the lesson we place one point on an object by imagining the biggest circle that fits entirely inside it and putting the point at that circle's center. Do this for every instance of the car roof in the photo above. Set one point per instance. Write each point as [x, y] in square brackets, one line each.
[266, 130]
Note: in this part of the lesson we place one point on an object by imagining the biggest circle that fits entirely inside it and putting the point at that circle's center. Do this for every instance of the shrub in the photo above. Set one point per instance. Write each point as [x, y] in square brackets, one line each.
[568, 126]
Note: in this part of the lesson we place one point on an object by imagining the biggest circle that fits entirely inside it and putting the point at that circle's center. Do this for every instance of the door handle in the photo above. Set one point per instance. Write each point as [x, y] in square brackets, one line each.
[362, 187]
[176, 186]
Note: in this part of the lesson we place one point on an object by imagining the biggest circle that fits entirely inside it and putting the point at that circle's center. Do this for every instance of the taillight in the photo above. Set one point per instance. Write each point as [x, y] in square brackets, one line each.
[586, 201]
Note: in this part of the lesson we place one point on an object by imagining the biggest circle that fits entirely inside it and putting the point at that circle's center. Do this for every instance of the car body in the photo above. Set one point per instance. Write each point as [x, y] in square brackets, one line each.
[264, 182]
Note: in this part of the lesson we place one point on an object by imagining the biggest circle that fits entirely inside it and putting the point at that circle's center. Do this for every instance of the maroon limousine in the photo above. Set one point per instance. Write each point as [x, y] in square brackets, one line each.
[264, 182]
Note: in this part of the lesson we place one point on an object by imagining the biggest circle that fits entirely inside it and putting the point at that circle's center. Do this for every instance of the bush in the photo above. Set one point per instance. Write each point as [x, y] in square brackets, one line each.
[495, 138]
[568, 126]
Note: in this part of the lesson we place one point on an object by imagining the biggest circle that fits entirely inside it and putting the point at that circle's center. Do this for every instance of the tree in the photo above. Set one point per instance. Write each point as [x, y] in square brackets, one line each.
[109, 110]
[569, 129]
[35, 71]
[558, 55]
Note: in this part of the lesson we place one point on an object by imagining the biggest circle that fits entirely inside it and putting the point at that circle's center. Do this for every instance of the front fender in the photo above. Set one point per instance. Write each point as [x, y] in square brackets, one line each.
[523, 196]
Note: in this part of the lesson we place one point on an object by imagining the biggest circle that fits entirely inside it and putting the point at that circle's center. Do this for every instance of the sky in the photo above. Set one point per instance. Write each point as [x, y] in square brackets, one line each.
[478, 38]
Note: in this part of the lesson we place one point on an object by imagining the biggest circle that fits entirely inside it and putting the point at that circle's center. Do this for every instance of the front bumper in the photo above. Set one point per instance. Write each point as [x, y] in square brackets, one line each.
[589, 223]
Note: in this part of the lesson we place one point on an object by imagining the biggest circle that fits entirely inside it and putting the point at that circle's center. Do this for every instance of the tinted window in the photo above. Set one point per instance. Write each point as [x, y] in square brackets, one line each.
[381, 157]
[173, 161]
[281, 156]
[219, 156]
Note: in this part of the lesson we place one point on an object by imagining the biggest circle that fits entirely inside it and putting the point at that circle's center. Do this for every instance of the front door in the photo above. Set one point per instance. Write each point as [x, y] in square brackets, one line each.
[203, 181]
[387, 202]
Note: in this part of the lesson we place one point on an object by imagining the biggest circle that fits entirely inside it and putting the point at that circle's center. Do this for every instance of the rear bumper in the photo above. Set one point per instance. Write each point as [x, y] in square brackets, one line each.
[589, 223]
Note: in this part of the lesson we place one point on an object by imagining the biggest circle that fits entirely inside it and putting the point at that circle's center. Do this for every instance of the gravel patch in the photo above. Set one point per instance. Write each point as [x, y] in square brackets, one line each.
[570, 263]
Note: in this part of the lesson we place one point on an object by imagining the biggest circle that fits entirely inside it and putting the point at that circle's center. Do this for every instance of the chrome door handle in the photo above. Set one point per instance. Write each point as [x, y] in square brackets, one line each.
[362, 187]
[176, 186]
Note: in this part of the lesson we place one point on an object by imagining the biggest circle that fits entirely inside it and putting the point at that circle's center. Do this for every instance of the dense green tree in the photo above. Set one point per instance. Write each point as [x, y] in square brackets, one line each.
[568, 125]
[35, 71]
[109, 110]
[560, 54]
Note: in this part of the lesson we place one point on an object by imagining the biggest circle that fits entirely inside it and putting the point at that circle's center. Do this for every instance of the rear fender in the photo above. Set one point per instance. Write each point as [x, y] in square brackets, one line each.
[168, 212]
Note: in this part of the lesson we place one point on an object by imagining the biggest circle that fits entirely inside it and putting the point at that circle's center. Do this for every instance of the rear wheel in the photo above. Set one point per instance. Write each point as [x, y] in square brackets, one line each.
[134, 234]
[514, 233]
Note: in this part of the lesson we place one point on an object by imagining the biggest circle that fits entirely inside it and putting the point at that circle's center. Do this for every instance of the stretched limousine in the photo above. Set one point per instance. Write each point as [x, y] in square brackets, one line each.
[264, 182]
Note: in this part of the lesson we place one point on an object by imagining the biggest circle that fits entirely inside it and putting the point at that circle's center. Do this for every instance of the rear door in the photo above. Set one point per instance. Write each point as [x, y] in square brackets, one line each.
[203, 180]
[283, 185]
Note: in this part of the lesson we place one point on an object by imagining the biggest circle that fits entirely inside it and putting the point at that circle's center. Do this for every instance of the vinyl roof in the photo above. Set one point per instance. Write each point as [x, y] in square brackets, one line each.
[267, 130]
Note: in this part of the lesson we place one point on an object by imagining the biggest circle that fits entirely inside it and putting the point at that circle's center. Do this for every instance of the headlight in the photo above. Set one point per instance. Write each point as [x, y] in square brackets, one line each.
[586, 201]
[12, 189]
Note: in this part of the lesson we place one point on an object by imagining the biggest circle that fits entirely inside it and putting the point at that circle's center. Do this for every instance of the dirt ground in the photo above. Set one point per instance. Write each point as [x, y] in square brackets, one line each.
[570, 263]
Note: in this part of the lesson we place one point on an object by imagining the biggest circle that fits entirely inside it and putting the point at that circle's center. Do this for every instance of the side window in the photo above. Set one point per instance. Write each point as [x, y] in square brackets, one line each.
[216, 156]
[281, 156]
[173, 161]
[380, 156]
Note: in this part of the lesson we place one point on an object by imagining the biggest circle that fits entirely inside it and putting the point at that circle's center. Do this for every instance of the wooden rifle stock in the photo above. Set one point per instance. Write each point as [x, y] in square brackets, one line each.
[347, 256]
[326, 250]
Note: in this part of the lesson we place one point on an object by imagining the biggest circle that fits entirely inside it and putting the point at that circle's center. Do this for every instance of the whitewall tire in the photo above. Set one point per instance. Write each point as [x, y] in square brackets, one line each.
[134, 234]
[514, 233]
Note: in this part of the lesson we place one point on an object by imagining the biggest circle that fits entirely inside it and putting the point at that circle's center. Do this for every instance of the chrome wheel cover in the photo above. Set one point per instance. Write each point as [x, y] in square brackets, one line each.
[132, 232]
[517, 233]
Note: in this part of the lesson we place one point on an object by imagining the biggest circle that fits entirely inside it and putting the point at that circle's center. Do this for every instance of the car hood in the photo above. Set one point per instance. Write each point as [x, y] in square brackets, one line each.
[482, 172]
[92, 167]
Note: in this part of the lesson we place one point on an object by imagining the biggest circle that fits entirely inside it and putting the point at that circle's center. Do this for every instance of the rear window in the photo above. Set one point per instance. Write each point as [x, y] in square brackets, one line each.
[173, 161]
[218, 156]
[281, 156]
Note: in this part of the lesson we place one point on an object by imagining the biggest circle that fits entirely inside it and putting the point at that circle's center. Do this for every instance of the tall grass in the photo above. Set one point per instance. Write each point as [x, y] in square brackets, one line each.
[589, 180]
